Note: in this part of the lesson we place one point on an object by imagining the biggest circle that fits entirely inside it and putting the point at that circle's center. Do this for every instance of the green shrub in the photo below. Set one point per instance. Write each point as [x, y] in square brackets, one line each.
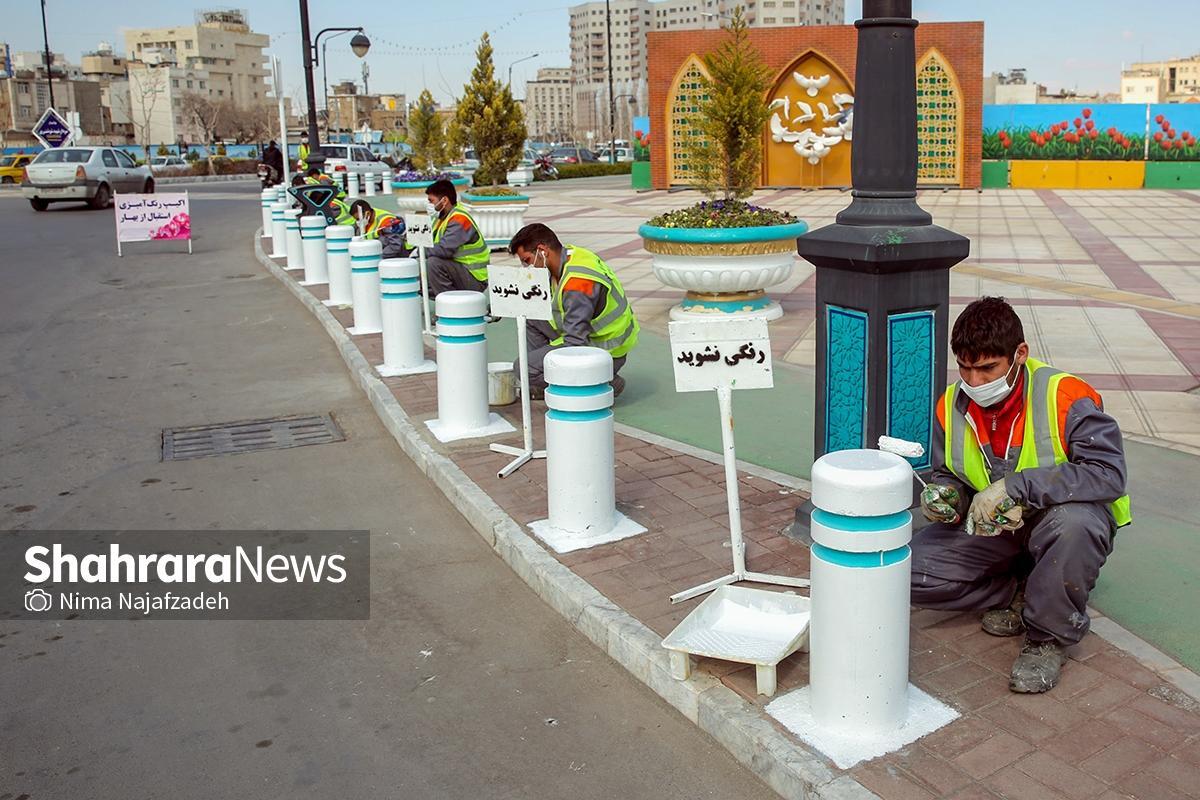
[162, 151]
[494, 191]
[593, 169]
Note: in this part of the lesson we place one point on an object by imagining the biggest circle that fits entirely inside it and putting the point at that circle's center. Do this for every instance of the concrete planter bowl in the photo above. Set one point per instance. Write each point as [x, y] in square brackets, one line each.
[725, 271]
[410, 195]
[499, 216]
[520, 175]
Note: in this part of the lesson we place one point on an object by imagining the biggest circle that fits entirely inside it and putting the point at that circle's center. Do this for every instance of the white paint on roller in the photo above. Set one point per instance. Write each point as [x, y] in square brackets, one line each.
[901, 447]
[847, 748]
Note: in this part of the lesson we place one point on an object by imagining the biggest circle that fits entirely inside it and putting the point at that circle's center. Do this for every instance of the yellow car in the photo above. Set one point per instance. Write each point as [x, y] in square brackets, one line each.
[12, 167]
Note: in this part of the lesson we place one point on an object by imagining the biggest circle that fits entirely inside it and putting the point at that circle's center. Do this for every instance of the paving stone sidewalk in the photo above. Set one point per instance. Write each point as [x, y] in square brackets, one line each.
[1112, 729]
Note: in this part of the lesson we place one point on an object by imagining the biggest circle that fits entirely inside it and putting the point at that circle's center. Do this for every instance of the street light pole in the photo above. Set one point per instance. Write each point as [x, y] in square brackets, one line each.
[513, 64]
[359, 44]
[612, 102]
[49, 58]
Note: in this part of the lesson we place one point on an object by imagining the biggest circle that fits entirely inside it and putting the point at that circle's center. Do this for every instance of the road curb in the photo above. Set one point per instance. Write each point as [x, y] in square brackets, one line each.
[204, 179]
[756, 742]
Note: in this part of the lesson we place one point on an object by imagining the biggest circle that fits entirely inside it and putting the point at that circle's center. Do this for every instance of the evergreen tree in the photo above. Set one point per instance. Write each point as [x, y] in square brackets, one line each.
[726, 156]
[428, 136]
[489, 120]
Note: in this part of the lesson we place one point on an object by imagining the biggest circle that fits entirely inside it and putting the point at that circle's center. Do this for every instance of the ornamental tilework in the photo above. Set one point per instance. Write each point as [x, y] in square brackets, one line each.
[910, 380]
[939, 114]
[686, 98]
[845, 379]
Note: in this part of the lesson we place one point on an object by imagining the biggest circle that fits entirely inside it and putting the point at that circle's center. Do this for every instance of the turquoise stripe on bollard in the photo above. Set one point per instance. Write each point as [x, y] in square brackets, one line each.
[399, 295]
[884, 558]
[461, 339]
[452, 321]
[337, 249]
[578, 416]
[364, 270]
[862, 524]
[399, 281]
[578, 391]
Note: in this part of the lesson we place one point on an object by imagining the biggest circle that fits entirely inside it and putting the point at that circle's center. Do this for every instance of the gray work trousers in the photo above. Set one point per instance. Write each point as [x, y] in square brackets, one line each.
[445, 274]
[538, 335]
[1060, 549]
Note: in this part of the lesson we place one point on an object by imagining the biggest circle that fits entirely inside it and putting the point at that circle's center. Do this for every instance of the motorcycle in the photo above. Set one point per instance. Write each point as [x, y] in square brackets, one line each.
[267, 175]
[544, 169]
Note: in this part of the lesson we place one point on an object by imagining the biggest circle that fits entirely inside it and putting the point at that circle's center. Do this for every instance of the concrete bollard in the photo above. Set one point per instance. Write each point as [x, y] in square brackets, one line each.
[861, 565]
[352, 185]
[580, 484]
[385, 178]
[295, 246]
[364, 285]
[268, 200]
[462, 377]
[312, 240]
[369, 184]
[278, 229]
[281, 195]
[403, 345]
[337, 262]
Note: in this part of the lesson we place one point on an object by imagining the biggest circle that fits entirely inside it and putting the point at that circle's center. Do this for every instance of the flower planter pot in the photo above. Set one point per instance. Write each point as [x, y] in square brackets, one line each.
[521, 176]
[725, 271]
[410, 195]
[499, 216]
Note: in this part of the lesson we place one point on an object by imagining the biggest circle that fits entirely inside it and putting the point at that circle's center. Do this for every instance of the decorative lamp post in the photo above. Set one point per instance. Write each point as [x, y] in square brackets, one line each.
[360, 44]
[883, 268]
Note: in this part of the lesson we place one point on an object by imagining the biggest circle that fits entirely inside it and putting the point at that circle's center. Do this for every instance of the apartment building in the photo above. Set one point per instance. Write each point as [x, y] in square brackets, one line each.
[548, 104]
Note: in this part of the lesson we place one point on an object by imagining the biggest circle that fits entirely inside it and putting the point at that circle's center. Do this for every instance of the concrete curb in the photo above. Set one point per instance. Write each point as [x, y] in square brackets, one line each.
[784, 765]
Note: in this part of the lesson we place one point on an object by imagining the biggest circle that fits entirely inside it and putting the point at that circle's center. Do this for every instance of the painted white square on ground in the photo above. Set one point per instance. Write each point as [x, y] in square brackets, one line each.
[562, 541]
[496, 426]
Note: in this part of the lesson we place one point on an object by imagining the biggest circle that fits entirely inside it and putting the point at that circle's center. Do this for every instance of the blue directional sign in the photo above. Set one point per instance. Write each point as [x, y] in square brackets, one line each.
[52, 130]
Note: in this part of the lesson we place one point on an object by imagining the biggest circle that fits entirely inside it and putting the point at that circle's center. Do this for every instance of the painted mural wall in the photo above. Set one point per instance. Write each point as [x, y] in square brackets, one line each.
[1103, 132]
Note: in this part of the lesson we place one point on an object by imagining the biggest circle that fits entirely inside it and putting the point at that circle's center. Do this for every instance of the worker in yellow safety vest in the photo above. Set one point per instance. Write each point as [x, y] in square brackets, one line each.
[459, 256]
[302, 154]
[375, 223]
[1025, 496]
[589, 304]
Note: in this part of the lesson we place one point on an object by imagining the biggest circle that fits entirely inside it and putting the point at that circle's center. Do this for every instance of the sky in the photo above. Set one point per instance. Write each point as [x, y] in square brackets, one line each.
[1073, 45]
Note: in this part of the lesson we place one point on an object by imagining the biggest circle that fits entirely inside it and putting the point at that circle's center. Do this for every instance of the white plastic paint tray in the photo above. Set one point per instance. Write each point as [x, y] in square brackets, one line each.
[750, 626]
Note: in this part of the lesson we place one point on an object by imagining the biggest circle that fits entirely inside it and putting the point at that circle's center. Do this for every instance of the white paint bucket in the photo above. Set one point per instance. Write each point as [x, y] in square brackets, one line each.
[502, 383]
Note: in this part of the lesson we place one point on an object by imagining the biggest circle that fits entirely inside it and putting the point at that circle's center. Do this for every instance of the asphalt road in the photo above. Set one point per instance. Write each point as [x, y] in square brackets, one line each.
[462, 683]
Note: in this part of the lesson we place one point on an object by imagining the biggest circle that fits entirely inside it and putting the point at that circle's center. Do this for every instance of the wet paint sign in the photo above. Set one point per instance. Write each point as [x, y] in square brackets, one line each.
[520, 292]
[708, 355]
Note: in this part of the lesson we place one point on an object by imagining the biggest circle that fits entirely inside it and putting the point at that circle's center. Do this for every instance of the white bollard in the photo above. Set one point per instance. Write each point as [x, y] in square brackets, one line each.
[364, 285]
[312, 240]
[295, 246]
[861, 566]
[268, 200]
[403, 345]
[369, 184]
[462, 377]
[352, 185]
[278, 229]
[385, 179]
[337, 261]
[281, 195]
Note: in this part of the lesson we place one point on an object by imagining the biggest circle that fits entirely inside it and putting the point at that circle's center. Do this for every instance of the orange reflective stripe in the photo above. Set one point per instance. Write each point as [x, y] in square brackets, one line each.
[577, 284]
[463, 220]
[1071, 389]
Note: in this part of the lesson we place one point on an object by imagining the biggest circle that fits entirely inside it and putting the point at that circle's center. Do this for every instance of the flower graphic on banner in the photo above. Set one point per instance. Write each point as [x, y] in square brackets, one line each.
[179, 227]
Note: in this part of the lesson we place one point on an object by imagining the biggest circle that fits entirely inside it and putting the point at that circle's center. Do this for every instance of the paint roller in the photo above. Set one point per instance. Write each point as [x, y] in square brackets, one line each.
[903, 448]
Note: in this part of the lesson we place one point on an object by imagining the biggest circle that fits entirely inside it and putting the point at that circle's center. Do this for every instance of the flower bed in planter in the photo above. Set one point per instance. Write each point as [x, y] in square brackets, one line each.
[409, 188]
[724, 270]
[500, 213]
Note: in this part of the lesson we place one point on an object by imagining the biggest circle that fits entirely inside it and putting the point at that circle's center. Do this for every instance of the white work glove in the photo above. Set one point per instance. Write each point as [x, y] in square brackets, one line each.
[939, 503]
[993, 511]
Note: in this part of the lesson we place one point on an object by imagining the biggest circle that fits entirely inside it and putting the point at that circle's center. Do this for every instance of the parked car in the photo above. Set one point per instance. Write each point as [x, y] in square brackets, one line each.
[159, 163]
[12, 168]
[88, 174]
[342, 158]
[623, 154]
[572, 155]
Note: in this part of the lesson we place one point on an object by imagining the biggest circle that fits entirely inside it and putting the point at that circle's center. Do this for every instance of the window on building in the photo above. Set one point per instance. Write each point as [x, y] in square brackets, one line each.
[189, 84]
[768, 20]
[187, 43]
[23, 88]
[175, 82]
[220, 92]
[202, 86]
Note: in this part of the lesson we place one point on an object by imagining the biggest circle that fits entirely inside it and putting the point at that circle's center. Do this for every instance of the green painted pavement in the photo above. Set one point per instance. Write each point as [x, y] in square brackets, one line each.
[1151, 584]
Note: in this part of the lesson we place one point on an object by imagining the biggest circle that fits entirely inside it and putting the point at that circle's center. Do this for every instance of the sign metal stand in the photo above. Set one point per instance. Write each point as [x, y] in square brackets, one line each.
[418, 231]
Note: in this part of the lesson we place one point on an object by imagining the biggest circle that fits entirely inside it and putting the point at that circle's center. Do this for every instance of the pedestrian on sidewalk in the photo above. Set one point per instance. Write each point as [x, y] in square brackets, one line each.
[589, 304]
[1027, 490]
[459, 256]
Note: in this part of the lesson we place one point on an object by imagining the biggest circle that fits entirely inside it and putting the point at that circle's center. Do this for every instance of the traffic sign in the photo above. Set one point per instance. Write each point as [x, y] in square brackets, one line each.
[52, 130]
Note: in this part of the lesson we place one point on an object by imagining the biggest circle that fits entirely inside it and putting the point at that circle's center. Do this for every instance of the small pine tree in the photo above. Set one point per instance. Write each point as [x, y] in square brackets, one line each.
[428, 135]
[162, 151]
[489, 120]
[726, 156]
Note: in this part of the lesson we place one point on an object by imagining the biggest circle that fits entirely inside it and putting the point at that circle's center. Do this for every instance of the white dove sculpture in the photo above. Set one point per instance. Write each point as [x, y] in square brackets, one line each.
[811, 84]
[808, 112]
[782, 102]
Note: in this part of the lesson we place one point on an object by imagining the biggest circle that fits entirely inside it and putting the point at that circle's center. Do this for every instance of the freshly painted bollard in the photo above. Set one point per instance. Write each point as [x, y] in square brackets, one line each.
[281, 195]
[369, 184]
[295, 248]
[278, 229]
[312, 239]
[580, 485]
[352, 185]
[268, 200]
[861, 564]
[364, 286]
[462, 377]
[337, 261]
[385, 178]
[403, 345]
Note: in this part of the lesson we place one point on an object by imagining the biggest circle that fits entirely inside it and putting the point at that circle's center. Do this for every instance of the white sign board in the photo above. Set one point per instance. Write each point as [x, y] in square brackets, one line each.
[418, 230]
[152, 217]
[733, 353]
[520, 292]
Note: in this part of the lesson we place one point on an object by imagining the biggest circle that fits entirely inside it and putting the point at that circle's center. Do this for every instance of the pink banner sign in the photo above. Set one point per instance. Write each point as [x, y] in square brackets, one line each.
[151, 217]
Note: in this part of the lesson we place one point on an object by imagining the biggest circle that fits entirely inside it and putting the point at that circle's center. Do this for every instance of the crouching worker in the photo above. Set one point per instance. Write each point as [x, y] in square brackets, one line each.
[459, 256]
[589, 304]
[1026, 494]
[375, 223]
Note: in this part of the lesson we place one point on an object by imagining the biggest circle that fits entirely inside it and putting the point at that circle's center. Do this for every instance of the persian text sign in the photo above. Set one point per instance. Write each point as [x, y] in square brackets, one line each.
[707, 355]
[147, 217]
[520, 292]
[418, 230]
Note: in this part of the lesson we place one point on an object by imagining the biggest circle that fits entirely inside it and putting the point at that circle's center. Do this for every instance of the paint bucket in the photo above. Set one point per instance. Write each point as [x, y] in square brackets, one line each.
[502, 383]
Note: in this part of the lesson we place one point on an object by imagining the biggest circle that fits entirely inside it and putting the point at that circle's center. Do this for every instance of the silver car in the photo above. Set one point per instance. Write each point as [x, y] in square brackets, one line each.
[88, 174]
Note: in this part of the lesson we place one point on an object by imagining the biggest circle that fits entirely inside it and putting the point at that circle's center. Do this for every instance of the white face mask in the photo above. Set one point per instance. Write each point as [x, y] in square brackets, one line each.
[992, 392]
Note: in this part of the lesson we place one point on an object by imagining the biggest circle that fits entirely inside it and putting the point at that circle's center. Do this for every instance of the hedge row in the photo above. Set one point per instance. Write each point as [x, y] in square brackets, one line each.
[593, 169]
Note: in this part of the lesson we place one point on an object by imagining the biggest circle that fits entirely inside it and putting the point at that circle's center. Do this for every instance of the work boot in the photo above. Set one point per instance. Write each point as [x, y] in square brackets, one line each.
[1006, 621]
[618, 386]
[1037, 667]
[537, 392]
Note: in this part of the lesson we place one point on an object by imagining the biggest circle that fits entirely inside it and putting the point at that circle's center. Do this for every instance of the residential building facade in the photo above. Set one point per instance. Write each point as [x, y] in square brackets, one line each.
[548, 104]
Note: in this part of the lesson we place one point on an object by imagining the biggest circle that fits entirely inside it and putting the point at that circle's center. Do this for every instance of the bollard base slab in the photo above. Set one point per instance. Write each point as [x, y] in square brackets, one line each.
[390, 372]
[848, 747]
[359, 330]
[337, 303]
[562, 541]
[278, 255]
[496, 426]
[313, 283]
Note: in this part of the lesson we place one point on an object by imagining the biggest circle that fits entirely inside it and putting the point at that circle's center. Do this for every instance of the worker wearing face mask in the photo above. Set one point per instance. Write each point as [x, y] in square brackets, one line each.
[587, 299]
[1026, 494]
[459, 256]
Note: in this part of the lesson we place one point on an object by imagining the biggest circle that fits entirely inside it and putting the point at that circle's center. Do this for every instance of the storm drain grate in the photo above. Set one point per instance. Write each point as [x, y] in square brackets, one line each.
[225, 438]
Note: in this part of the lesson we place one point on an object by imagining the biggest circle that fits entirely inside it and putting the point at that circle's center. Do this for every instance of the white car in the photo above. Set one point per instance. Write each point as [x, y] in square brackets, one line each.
[159, 163]
[343, 158]
[88, 174]
[623, 154]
